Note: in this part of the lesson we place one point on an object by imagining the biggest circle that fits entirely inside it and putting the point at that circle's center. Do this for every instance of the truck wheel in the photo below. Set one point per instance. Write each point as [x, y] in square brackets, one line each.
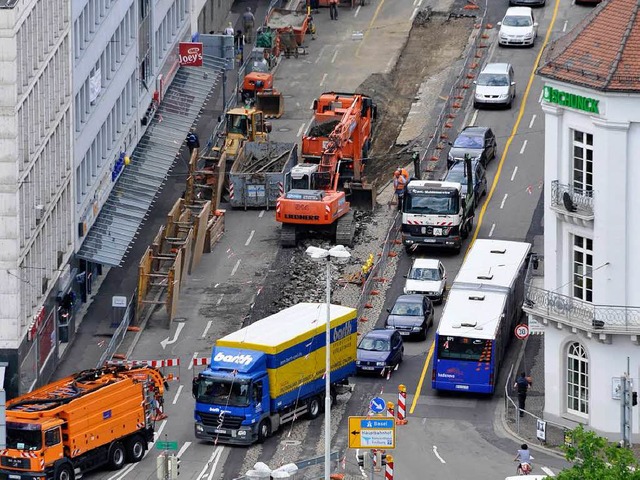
[135, 448]
[64, 472]
[264, 430]
[116, 456]
[314, 407]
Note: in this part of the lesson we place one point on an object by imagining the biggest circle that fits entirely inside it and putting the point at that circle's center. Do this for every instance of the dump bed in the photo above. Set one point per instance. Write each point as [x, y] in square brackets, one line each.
[256, 178]
[281, 19]
[293, 343]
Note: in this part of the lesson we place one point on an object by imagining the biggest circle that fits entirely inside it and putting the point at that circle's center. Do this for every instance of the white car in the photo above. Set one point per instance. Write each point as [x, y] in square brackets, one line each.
[518, 27]
[428, 277]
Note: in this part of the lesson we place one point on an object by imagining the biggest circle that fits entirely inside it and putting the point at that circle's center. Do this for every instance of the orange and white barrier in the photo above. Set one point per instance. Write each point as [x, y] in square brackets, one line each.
[200, 361]
[402, 405]
[388, 471]
[391, 410]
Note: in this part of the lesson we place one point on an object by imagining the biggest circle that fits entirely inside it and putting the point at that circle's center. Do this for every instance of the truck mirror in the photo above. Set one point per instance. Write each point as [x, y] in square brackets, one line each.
[194, 387]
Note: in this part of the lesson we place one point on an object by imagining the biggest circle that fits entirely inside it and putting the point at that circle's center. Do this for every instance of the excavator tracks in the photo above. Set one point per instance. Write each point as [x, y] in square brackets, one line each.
[346, 230]
[288, 235]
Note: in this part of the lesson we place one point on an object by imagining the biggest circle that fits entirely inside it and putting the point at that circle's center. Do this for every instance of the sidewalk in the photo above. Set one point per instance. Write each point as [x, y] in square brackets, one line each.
[94, 318]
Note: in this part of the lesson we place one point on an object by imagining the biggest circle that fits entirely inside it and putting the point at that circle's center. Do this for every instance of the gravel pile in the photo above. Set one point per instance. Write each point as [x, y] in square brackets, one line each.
[323, 129]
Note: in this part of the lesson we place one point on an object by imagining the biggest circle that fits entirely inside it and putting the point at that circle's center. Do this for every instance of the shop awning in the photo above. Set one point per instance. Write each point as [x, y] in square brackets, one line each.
[112, 234]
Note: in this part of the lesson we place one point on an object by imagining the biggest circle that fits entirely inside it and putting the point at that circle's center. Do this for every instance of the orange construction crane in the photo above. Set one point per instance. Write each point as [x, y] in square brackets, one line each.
[316, 191]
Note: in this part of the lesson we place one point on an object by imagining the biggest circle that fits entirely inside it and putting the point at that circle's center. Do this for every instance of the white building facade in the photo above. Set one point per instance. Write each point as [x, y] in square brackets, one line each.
[36, 184]
[589, 299]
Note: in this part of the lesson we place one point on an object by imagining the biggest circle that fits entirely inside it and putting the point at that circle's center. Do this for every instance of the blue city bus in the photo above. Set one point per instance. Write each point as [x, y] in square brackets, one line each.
[478, 321]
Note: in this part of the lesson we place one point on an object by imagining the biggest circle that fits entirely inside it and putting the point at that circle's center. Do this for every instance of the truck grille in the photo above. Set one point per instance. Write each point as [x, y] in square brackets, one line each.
[23, 463]
[213, 420]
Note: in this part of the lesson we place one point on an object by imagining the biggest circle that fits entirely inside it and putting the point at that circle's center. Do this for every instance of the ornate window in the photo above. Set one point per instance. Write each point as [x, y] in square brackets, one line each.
[583, 268]
[577, 380]
[582, 161]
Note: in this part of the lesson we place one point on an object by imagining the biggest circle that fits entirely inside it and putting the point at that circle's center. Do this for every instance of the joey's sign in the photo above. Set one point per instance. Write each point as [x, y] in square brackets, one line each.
[190, 54]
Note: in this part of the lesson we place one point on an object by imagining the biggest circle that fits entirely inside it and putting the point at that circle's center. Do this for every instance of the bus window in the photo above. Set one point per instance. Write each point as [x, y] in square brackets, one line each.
[463, 348]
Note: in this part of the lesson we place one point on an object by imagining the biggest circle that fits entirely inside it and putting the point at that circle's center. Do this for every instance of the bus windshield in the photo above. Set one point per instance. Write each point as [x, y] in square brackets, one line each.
[431, 204]
[221, 391]
[463, 348]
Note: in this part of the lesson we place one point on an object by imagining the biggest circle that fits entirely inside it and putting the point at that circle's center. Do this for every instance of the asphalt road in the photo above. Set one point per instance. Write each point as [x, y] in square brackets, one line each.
[448, 436]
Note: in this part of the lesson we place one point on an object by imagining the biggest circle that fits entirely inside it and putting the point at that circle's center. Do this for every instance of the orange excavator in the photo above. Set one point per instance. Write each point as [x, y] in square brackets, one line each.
[317, 199]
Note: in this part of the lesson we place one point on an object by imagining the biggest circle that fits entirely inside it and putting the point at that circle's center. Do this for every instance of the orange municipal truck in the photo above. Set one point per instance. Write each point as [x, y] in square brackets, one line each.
[99, 417]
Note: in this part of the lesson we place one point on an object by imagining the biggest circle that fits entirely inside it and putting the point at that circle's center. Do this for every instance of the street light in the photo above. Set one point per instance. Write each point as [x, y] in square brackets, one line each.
[340, 255]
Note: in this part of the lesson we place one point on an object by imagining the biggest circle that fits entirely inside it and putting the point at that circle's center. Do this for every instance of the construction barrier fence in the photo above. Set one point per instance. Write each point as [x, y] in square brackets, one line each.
[119, 333]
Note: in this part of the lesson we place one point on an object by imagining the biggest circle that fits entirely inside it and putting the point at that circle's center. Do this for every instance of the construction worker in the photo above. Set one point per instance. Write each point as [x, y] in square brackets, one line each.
[399, 185]
[404, 173]
[248, 22]
[192, 141]
[333, 9]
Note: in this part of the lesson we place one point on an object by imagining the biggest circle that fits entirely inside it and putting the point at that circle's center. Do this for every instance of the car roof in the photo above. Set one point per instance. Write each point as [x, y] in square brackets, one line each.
[518, 11]
[459, 165]
[496, 68]
[412, 298]
[474, 130]
[425, 263]
[379, 333]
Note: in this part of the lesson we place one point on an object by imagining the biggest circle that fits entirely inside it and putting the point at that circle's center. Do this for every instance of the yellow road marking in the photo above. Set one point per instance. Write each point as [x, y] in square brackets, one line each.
[364, 34]
[514, 131]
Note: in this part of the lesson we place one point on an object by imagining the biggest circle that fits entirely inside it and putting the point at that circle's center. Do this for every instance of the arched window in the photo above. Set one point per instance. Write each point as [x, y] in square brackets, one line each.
[577, 380]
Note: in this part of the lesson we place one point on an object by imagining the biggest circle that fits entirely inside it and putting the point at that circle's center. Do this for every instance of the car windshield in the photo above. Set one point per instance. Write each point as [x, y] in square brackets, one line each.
[373, 344]
[406, 308]
[493, 80]
[427, 274]
[517, 21]
[436, 204]
[24, 439]
[468, 141]
[217, 391]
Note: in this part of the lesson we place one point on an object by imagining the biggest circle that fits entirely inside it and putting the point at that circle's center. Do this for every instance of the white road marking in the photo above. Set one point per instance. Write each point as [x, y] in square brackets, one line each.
[540, 97]
[235, 268]
[415, 3]
[364, 475]
[300, 130]
[503, 200]
[159, 432]
[473, 118]
[413, 15]
[122, 473]
[548, 471]
[564, 27]
[216, 285]
[215, 464]
[214, 458]
[320, 54]
[206, 329]
[493, 227]
[183, 449]
[311, 107]
[435, 452]
[333, 59]
[178, 392]
[419, 3]
[246, 244]
[260, 215]
[195, 355]
[357, 11]
[220, 299]
[524, 145]
[513, 175]
[173, 340]
[324, 77]
[533, 119]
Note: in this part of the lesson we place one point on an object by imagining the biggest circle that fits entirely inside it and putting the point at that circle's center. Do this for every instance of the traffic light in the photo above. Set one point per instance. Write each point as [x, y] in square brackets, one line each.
[363, 459]
[161, 467]
[383, 459]
[634, 399]
[174, 467]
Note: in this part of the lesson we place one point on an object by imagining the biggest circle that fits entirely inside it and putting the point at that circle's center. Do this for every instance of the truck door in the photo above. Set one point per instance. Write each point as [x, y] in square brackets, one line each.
[258, 397]
[53, 450]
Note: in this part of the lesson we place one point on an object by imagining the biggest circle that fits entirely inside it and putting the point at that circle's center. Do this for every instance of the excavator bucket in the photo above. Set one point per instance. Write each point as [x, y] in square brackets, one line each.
[271, 103]
[362, 196]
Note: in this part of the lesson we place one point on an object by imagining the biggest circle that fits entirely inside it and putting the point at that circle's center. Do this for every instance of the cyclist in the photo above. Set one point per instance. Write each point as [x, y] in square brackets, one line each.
[524, 457]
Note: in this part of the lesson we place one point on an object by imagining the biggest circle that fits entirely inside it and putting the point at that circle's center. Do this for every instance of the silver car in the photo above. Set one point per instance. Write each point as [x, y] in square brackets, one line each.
[495, 86]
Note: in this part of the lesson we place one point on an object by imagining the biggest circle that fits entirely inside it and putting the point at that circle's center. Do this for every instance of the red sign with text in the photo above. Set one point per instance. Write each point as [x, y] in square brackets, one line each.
[190, 54]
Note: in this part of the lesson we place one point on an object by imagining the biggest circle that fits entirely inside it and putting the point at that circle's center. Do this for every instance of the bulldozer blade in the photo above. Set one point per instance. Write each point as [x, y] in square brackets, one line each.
[270, 103]
[362, 196]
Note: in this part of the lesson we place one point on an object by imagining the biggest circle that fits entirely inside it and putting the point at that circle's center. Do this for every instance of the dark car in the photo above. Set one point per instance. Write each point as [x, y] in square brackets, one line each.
[379, 351]
[527, 3]
[411, 315]
[458, 174]
[477, 142]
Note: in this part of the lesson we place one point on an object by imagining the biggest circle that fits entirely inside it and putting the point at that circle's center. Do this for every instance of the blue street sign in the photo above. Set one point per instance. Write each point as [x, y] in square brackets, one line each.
[377, 405]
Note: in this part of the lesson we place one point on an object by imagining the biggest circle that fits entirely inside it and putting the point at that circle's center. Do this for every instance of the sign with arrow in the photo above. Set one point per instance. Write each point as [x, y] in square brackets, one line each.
[372, 432]
[166, 341]
[377, 405]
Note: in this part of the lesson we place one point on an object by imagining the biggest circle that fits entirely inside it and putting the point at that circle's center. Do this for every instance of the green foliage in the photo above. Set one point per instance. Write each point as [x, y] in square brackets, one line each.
[594, 458]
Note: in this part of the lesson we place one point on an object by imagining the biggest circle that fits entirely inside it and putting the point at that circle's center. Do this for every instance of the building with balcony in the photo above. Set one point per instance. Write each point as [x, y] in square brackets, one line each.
[589, 296]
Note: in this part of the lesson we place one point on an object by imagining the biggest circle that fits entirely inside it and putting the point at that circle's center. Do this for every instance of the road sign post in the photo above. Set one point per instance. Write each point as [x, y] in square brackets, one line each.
[377, 405]
[521, 331]
[372, 432]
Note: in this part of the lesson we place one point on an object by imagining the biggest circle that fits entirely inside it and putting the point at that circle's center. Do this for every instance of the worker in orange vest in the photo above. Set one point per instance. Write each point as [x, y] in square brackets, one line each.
[399, 185]
[404, 173]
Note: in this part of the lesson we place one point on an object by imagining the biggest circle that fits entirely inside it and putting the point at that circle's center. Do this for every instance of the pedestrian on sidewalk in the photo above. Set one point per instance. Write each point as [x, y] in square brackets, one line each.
[238, 43]
[248, 23]
[192, 142]
[229, 30]
[399, 184]
[333, 9]
[522, 385]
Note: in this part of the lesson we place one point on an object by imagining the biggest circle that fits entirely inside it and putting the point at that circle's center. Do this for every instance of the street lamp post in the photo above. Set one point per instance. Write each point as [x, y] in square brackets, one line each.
[340, 254]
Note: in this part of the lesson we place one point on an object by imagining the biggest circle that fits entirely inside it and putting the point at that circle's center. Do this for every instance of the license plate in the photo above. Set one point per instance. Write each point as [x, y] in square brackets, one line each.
[404, 333]
[17, 477]
[429, 240]
[437, 231]
[366, 368]
[221, 431]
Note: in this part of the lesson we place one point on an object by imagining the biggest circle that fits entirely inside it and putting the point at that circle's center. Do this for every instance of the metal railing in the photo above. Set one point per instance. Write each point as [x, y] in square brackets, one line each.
[575, 312]
[120, 332]
[581, 200]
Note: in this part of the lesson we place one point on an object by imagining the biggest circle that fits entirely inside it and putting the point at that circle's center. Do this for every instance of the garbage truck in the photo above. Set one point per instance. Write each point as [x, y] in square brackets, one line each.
[272, 372]
[95, 418]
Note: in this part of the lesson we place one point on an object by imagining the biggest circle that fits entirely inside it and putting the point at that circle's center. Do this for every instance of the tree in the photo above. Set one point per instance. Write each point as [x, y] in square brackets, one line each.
[595, 458]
